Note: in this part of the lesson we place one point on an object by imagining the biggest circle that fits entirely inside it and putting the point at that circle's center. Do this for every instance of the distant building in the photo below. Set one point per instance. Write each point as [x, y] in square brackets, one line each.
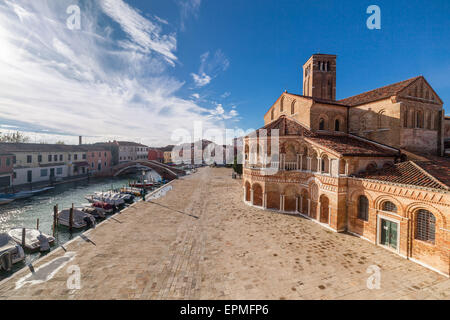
[99, 160]
[132, 151]
[6, 170]
[156, 155]
[43, 162]
[168, 157]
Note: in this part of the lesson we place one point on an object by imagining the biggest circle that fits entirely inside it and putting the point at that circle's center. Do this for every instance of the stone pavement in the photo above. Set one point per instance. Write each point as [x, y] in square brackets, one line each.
[200, 241]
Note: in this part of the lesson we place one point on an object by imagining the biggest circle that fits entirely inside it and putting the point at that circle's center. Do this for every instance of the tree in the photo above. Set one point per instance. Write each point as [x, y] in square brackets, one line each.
[15, 137]
[60, 142]
[237, 167]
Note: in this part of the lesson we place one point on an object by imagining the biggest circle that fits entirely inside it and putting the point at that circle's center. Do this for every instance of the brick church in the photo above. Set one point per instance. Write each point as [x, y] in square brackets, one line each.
[371, 165]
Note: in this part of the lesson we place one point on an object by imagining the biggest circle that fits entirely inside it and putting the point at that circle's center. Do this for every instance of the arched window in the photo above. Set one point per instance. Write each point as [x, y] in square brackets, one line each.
[293, 107]
[425, 226]
[321, 124]
[337, 125]
[363, 208]
[282, 104]
[371, 167]
[325, 164]
[389, 206]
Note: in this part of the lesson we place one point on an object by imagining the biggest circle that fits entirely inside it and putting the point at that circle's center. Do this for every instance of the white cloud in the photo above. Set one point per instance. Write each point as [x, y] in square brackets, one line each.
[210, 67]
[201, 80]
[144, 33]
[225, 95]
[219, 113]
[188, 8]
[55, 82]
[195, 95]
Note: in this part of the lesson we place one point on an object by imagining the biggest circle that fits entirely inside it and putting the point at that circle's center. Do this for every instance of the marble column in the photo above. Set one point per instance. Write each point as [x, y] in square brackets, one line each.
[319, 207]
[251, 195]
[301, 204]
[265, 200]
[282, 202]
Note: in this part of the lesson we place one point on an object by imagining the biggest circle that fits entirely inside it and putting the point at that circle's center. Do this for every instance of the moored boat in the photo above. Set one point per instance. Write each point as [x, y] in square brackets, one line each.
[34, 239]
[80, 219]
[10, 252]
[142, 185]
[5, 201]
[24, 194]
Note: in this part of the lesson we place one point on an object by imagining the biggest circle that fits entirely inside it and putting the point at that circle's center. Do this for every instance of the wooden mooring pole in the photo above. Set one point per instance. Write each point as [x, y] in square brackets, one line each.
[55, 219]
[37, 224]
[71, 218]
[23, 237]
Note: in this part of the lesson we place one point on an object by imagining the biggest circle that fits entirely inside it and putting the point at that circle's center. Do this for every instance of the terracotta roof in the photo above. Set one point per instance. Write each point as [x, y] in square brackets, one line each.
[319, 100]
[378, 94]
[428, 174]
[348, 145]
[440, 169]
[130, 143]
[286, 127]
[341, 143]
[39, 147]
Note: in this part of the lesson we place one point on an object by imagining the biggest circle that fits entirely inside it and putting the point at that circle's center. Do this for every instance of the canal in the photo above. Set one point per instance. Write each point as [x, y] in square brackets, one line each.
[24, 213]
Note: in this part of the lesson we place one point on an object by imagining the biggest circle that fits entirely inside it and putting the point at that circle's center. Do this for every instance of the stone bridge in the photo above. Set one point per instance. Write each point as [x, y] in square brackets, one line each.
[165, 171]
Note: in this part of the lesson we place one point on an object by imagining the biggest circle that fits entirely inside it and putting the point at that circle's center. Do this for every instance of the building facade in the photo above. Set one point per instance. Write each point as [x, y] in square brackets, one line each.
[6, 170]
[167, 156]
[156, 155]
[99, 160]
[132, 151]
[39, 163]
[343, 163]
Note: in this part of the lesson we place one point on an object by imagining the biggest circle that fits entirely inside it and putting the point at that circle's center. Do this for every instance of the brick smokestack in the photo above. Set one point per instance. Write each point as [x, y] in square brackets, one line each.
[80, 140]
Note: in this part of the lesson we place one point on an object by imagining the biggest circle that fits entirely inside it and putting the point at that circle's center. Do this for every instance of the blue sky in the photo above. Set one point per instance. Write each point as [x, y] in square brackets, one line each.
[142, 69]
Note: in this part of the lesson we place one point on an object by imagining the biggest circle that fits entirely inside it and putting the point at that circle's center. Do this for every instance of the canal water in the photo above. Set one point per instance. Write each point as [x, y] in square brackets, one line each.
[24, 213]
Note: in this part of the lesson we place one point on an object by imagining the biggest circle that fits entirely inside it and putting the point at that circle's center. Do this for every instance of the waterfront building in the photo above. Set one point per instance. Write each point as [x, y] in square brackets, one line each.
[39, 163]
[155, 154]
[6, 170]
[99, 160]
[131, 151]
[368, 164]
[167, 156]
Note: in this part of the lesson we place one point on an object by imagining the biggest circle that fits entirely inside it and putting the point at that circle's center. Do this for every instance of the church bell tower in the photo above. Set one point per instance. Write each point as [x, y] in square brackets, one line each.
[319, 77]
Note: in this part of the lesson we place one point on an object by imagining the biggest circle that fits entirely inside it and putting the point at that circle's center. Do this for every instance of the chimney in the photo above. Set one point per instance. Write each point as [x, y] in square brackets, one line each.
[80, 140]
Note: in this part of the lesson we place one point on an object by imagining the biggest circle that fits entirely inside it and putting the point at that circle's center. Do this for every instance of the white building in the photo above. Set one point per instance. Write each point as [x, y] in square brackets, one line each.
[132, 151]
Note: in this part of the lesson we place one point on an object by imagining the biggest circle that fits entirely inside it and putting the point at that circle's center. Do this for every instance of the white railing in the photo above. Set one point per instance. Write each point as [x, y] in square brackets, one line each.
[275, 164]
[290, 166]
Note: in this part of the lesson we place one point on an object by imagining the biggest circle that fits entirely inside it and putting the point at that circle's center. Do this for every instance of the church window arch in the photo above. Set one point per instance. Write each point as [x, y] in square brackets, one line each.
[363, 208]
[337, 125]
[321, 124]
[425, 226]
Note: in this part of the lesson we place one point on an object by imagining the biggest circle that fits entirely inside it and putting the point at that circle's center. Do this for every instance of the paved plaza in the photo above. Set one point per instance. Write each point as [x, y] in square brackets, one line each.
[200, 241]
